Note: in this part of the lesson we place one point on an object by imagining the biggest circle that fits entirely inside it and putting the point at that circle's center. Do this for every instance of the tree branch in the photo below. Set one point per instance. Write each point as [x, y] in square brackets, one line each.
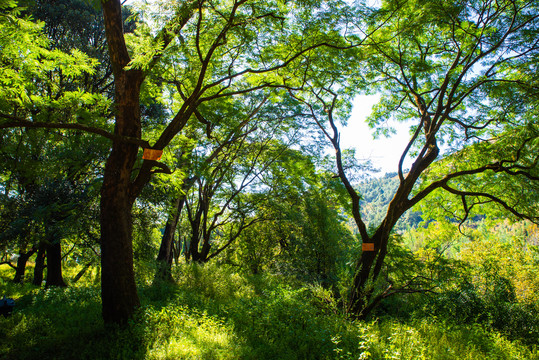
[16, 122]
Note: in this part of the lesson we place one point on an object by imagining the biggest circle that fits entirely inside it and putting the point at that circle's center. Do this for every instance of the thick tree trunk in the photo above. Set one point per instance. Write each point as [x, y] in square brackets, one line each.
[54, 265]
[40, 266]
[368, 269]
[121, 185]
[118, 289]
[21, 265]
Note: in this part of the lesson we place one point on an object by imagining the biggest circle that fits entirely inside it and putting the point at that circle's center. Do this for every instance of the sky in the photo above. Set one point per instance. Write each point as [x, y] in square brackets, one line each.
[384, 152]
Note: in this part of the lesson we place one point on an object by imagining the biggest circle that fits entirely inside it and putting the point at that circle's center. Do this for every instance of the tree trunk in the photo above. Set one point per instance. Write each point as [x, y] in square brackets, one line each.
[40, 265]
[118, 289]
[362, 297]
[368, 269]
[206, 247]
[21, 265]
[121, 185]
[166, 250]
[187, 249]
[81, 272]
[54, 265]
[193, 252]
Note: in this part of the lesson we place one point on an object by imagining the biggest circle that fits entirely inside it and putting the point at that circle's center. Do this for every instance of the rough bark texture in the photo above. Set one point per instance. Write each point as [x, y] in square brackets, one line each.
[119, 294]
[118, 289]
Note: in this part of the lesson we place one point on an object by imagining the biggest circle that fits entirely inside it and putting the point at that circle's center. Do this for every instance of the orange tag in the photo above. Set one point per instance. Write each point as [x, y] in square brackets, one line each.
[152, 154]
[367, 246]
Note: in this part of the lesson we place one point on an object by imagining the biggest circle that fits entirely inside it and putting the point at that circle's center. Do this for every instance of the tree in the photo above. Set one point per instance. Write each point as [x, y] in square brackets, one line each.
[215, 57]
[196, 158]
[276, 200]
[462, 74]
[78, 25]
[40, 83]
[302, 230]
[210, 51]
[220, 207]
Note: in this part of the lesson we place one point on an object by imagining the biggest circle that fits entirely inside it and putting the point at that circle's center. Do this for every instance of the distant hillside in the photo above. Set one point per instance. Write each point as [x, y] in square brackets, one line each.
[377, 193]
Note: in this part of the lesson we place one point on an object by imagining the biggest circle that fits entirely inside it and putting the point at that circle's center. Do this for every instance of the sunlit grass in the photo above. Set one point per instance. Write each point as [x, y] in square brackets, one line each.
[430, 339]
[178, 333]
[215, 313]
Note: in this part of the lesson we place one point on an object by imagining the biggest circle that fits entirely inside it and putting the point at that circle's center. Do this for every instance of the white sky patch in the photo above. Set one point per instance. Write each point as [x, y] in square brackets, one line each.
[384, 152]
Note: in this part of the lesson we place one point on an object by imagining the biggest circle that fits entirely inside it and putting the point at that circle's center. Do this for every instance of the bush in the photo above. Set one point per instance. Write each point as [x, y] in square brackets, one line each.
[215, 313]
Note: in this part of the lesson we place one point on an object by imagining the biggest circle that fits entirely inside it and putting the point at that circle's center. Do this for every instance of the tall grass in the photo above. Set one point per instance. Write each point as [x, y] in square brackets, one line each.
[215, 313]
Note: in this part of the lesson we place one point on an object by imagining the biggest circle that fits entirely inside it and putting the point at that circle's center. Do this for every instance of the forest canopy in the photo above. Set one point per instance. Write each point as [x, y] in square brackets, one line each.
[243, 103]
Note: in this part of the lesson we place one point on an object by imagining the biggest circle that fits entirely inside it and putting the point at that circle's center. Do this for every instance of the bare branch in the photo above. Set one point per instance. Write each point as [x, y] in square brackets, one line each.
[492, 198]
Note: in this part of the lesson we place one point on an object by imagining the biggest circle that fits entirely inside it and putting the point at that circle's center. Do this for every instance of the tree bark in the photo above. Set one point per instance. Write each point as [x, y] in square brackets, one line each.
[118, 288]
[366, 275]
[81, 272]
[193, 252]
[121, 184]
[40, 265]
[54, 265]
[166, 250]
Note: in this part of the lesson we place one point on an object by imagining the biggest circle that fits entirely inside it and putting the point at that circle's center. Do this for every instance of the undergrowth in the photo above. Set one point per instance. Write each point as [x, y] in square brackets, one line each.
[214, 313]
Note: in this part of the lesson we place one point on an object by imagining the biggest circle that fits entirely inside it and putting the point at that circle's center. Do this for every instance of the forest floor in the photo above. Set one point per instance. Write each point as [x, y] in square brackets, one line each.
[215, 313]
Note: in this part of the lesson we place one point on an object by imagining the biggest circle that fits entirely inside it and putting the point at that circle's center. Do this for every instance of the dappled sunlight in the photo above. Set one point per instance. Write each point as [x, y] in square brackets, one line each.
[196, 180]
[229, 315]
[177, 332]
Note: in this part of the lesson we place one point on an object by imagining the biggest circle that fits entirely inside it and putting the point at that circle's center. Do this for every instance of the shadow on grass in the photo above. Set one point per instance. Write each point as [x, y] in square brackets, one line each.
[214, 313]
[62, 323]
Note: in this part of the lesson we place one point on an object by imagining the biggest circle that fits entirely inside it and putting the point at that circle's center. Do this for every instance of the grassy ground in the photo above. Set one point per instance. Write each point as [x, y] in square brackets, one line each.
[214, 313]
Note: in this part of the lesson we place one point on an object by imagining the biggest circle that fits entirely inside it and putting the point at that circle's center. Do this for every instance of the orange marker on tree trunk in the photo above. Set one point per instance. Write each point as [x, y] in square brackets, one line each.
[367, 246]
[152, 154]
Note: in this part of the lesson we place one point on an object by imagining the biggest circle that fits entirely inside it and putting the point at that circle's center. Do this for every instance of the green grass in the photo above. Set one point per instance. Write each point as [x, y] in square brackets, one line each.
[214, 313]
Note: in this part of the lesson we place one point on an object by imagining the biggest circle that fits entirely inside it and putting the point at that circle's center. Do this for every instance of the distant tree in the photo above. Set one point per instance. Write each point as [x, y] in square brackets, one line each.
[303, 230]
[220, 207]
